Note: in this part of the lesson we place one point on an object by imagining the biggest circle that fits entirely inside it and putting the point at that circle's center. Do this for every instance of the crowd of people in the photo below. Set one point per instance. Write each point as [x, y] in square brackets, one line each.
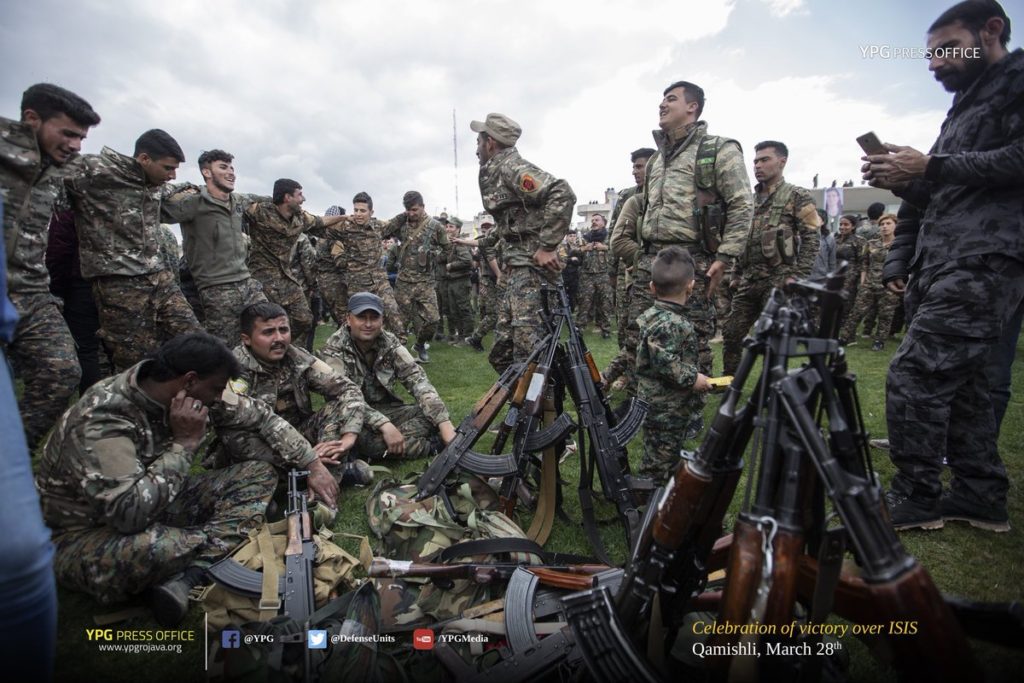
[145, 334]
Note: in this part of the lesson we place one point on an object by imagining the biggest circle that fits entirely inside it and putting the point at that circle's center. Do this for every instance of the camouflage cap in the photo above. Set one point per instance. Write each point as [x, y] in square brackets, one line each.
[365, 301]
[454, 220]
[486, 219]
[500, 127]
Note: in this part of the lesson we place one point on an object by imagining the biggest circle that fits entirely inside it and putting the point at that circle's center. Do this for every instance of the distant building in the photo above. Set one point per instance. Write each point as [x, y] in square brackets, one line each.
[604, 208]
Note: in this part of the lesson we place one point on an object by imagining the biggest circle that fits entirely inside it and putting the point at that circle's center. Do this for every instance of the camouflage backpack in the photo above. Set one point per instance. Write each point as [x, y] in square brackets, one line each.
[419, 531]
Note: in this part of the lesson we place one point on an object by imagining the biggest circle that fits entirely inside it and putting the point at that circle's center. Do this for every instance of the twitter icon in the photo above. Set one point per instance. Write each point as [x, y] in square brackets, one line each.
[316, 640]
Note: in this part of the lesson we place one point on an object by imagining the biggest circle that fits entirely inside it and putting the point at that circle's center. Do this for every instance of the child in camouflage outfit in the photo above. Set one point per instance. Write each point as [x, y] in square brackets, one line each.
[666, 364]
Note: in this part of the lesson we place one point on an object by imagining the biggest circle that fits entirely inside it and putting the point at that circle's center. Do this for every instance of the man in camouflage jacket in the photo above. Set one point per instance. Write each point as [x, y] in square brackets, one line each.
[115, 480]
[376, 361]
[117, 202]
[532, 210]
[671, 214]
[422, 239]
[274, 230]
[781, 246]
[284, 376]
[35, 152]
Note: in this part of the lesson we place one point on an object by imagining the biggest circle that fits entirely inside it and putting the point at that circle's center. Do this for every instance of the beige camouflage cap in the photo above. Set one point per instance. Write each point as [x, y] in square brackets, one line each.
[500, 127]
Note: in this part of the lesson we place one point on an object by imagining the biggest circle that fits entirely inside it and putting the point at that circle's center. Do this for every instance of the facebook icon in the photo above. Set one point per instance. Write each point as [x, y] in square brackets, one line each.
[230, 639]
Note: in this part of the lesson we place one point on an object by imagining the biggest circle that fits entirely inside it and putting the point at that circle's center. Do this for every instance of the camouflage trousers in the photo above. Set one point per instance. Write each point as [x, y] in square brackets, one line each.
[877, 300]
[421, 435]
[458, 292]
[723, 301]
[418, 303]
[700, 311]
[748, 300]
[622, 294]
[43, 356]
[291, 296]
[520, 326]
[938, 403]
[138, 314]
[490, 297]
[595, 301]
[223, 305]
[662, 444]
[337, 289]
[234, 446]
[204, 522]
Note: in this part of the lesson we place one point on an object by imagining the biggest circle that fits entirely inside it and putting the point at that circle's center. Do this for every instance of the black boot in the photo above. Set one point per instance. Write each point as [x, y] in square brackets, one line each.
[169, 600]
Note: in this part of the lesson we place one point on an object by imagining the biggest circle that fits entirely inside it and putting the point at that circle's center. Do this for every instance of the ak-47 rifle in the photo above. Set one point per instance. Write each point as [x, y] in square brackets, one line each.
[570, 576]
[607, 438]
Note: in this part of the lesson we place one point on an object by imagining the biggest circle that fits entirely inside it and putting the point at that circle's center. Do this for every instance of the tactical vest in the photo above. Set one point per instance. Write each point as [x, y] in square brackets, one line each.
[778, 242]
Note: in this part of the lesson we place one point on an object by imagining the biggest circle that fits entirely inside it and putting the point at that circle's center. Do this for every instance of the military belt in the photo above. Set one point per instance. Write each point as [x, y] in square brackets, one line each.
[652, 248]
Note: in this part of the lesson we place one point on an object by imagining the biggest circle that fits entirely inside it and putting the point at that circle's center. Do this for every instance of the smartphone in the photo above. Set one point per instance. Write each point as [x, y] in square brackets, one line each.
[870, 143]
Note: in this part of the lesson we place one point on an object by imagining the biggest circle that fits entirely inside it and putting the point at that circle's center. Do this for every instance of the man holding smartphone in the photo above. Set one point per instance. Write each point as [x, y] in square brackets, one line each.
[959, 257]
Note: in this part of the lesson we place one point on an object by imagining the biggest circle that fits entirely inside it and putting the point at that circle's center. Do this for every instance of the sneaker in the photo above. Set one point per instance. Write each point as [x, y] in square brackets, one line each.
[877, 346]
[475, 344]
[956, 509]
[880, 444]
[421, 353]
[910, 513]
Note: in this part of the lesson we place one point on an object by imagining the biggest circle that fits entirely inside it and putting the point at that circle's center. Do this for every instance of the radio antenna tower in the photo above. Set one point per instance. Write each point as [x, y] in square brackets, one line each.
[455, 154]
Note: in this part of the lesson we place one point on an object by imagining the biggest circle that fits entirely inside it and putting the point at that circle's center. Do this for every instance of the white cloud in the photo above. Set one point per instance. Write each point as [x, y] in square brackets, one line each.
[782, 8]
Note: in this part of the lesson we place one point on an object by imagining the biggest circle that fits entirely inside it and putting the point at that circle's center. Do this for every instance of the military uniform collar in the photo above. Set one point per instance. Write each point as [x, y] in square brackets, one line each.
[761, 190]
[670, 306]
[126, 165]
[500, 156]
[678, 137]
[294, 356]
[128, 383]
[204, 192]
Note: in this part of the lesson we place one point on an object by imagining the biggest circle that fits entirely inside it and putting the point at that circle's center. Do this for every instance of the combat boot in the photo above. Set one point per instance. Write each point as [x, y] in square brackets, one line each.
[421, 353]
[356, 472]
[475, 344]
[169, 600]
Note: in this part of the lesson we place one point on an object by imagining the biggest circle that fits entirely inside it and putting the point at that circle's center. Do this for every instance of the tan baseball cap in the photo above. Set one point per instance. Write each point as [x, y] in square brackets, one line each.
[500, 127]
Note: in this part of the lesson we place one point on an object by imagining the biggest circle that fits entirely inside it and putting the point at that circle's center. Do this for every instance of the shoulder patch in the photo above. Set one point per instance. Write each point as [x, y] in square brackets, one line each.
[528, 183]
[238, 386]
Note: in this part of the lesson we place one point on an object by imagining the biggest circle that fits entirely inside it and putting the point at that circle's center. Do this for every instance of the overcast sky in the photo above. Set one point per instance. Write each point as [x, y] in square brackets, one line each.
[351, 96]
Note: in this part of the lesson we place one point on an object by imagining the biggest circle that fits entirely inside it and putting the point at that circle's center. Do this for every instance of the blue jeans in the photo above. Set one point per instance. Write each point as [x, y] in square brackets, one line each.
[28, 594]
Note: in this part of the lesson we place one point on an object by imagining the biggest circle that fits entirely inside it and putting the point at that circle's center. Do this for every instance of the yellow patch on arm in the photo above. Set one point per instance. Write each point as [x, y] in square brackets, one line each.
[809, 215]
[322, 367]
[117, 457]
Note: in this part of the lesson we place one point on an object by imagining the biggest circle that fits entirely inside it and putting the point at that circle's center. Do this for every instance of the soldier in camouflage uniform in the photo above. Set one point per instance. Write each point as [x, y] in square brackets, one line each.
[849, 248]
[458, 262]
[595, 279]
[672, 190]
[34, 154]
[274, 228]
[283, 375]
[622, 274]
[625, 251]
[666, 364]
[117, 205]
[422, 239]
[115, 486]
[781, 246]
[959, 255]
[376, 361]
[532, 211]
[215, 243]
[492, 289]
[872, 293]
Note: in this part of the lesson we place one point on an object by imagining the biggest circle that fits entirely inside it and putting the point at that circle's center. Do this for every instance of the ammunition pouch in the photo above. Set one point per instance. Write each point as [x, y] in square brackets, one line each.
[710, 222]
[778, 246]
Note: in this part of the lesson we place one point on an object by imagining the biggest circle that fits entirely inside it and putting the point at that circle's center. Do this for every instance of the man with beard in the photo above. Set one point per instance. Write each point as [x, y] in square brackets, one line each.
[595, 281]
[215, 245]
[274, 228]
[53, 123]
[958, 256]
[532, 210]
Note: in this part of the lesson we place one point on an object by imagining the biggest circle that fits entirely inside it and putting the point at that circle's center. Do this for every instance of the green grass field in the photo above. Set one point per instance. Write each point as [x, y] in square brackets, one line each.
[962, 560]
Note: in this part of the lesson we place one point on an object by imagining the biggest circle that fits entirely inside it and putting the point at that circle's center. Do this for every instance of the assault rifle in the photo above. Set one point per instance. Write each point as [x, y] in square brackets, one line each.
[571, 576]
[798, 469]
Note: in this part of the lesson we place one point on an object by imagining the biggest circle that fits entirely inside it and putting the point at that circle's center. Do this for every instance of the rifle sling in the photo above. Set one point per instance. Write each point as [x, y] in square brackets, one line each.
[544, 516]
[270, 598]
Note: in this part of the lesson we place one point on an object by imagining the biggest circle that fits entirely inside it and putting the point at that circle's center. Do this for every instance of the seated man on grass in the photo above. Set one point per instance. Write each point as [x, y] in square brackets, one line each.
[377, 362]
